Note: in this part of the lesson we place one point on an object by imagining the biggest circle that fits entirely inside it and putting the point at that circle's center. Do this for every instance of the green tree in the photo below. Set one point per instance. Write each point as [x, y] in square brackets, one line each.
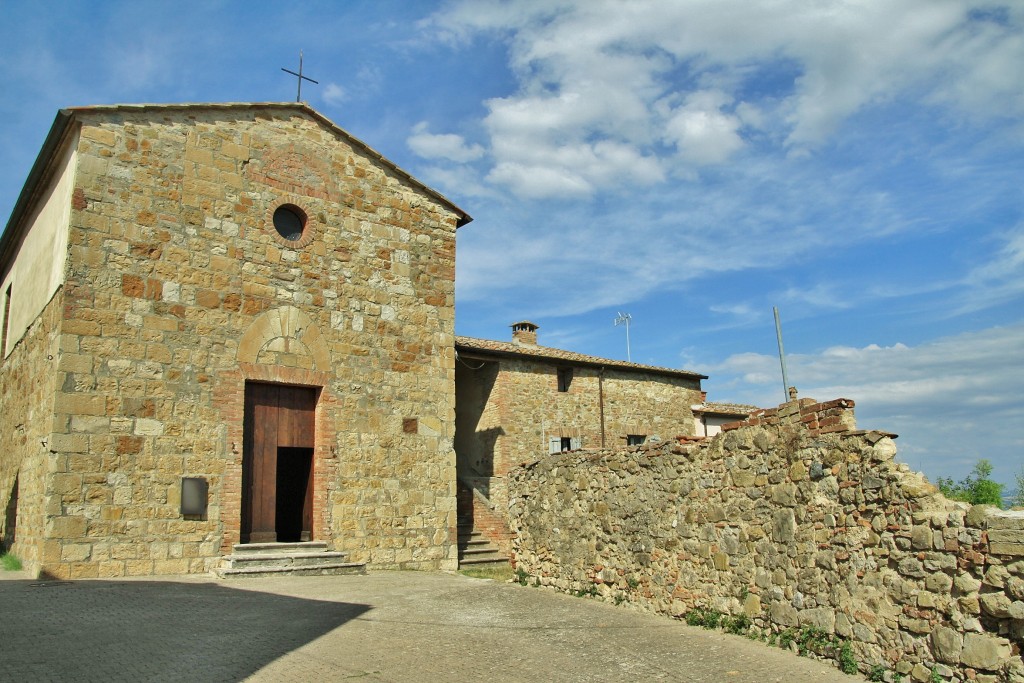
[975, 488]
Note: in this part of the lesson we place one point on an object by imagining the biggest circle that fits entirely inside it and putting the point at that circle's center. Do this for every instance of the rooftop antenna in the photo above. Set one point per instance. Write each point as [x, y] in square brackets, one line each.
[623, 319]
[298, 95]
[782, 356]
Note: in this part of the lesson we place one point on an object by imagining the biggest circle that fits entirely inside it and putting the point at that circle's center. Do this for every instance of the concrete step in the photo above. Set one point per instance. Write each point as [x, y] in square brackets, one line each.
[275, 548]
[311, 558]
[477, 550]
[284, 559]
[328, 569]
[483, 561]
[481, 550]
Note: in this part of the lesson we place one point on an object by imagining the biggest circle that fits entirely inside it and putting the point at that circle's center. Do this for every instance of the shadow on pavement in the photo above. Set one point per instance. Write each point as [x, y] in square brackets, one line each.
[153, 630]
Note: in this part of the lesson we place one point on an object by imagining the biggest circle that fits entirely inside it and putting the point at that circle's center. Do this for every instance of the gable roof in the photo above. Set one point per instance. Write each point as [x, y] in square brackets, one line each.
[63, 124]
[514, 350]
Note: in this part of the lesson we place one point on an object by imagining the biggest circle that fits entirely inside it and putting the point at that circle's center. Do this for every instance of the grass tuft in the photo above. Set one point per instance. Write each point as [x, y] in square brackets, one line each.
[10, 563]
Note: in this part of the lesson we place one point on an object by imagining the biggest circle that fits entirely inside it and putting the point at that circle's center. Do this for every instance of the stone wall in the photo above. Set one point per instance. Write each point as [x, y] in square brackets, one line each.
[180, 291]
[511, 409]
[796, 520]
[27, 386]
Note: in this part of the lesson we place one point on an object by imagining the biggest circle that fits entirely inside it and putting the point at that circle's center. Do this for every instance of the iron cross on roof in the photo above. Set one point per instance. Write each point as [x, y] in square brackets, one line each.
[298, 95]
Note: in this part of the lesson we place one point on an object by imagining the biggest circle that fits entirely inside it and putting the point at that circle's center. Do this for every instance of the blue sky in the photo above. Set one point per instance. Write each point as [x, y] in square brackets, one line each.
[860, 165]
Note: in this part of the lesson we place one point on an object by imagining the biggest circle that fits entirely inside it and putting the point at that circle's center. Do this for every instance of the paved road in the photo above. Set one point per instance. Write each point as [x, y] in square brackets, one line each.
[386, 626]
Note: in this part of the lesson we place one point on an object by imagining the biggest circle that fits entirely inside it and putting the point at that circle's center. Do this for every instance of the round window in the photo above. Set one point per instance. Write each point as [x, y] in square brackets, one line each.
[290, 222]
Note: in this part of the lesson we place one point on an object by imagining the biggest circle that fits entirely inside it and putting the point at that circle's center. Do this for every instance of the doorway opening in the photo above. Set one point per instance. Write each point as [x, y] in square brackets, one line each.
[9, 534]
[294, 512]
[277, 463]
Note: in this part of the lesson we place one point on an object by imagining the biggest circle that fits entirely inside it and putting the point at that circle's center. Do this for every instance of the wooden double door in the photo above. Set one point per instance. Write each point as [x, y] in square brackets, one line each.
[277, 463]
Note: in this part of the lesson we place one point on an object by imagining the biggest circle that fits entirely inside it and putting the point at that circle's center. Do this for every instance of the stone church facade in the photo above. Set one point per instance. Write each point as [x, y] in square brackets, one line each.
[216, 293]
[234, 323]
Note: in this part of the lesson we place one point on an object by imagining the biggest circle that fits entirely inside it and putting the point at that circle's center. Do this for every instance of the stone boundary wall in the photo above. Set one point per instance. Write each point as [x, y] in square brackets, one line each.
[796, 521]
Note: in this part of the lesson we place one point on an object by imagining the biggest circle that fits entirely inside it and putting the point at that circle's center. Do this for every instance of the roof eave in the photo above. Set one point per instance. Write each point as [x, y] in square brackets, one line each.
[595, 363]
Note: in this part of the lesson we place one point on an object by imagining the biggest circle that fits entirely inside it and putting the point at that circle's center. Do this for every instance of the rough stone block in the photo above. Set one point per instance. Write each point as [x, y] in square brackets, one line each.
[947, 644]
[822, 618]
[979, 515]
[921, 537]
[784, 525]
[67, 526]
[784, 614]
[995, 605]
[1006, 519]
[983, 651]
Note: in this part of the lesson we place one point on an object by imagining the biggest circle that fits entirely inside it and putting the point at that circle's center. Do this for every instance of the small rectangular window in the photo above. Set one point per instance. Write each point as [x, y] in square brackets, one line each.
[564, 379]
[558, 444]
[635, 439]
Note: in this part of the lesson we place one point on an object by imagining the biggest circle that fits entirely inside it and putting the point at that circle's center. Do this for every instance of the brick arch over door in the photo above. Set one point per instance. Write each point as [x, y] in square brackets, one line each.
[289, 327]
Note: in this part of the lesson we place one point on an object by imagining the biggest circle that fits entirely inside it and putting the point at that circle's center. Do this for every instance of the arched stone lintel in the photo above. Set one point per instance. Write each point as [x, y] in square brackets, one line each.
[289, 322]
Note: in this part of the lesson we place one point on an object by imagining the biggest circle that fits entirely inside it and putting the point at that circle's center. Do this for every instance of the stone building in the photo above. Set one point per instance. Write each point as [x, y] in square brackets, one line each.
[224, 323]
[230, 324]
[517, 399]
[709, 416]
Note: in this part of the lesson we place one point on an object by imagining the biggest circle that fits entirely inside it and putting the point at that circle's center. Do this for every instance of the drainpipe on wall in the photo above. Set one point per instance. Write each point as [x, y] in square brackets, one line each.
[600, 399]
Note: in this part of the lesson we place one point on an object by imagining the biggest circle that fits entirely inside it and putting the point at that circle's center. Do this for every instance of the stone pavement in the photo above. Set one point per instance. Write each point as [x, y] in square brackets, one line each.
[385, 626]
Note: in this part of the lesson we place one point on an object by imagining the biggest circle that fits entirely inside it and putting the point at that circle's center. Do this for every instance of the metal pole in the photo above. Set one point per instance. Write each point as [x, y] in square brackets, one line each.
[782, 356]
[629, 356]
[624, 318]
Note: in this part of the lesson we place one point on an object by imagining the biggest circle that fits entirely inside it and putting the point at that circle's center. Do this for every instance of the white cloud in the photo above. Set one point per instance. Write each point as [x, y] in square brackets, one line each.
[999, 280]
[444, 146]
[821, 295]
[701, 131]
[540, 181]
[604, 70]
[946, 398]
[334, 94]
[665, 238]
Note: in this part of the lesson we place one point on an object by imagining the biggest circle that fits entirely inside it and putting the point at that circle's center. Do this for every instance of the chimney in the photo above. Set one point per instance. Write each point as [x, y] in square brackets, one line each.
[524, 332]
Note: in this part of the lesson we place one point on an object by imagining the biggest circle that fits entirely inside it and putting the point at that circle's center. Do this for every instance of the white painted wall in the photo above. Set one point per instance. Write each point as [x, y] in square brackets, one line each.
[38, 268]
[712, 424]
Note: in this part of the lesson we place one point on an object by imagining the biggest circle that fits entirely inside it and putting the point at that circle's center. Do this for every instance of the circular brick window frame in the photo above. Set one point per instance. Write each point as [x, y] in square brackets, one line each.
[293, 204]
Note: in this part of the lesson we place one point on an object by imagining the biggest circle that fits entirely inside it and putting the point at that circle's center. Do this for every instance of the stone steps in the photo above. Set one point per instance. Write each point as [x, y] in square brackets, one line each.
[310, 558]
[476, 549]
